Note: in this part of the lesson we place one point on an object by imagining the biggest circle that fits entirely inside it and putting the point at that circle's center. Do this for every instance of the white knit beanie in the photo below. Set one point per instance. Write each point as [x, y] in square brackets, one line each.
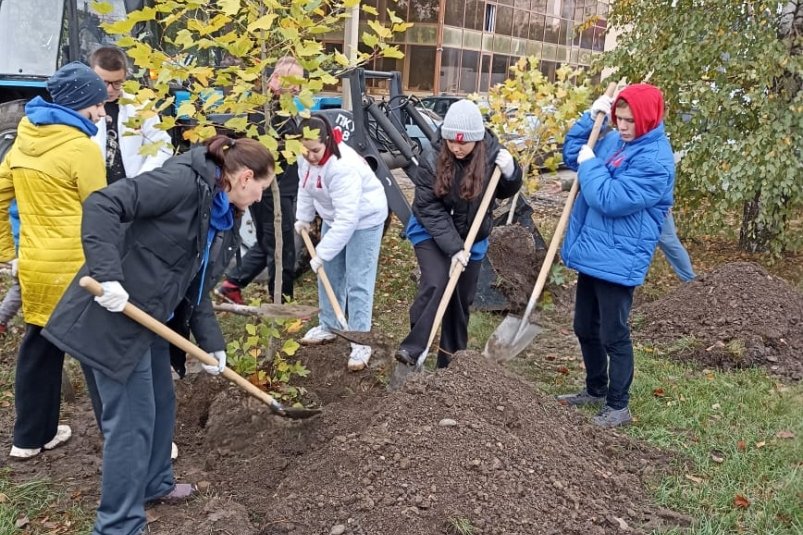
[463, 122]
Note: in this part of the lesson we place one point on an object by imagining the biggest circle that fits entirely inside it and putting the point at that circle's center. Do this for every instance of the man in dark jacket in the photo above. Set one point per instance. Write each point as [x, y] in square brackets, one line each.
[626, 185]
[261, 255]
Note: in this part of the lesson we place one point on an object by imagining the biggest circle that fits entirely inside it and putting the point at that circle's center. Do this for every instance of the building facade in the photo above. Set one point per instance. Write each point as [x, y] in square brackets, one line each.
[466, 46]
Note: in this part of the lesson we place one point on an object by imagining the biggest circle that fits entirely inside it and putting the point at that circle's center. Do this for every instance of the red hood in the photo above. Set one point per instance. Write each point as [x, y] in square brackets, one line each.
[647, 104]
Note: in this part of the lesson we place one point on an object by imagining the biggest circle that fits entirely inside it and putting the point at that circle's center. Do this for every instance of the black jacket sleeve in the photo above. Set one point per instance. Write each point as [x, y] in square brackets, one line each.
[508, 186]
[433, 215]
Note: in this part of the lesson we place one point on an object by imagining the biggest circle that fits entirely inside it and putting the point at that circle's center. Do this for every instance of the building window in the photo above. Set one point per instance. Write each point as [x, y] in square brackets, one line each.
[450, 70]
[485, 73]
[504, 20]
[552, 34]
[423, 10]
[548, 69]
[454, 13]
[499, 69]
[536, 27]
[475, 11]
[490, 18]
[469, 71]
[421, 63]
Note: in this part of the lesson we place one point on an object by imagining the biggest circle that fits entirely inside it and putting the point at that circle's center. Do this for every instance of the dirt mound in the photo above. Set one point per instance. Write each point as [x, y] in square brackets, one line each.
[733, 317]
[516, 261]
[471, 444]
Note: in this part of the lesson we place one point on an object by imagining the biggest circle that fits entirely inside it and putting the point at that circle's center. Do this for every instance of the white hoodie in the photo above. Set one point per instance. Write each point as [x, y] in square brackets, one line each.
[346, 194]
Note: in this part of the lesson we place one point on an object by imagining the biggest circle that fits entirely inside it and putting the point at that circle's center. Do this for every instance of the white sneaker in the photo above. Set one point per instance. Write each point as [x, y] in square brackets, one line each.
[173, 451]
[63, 434]
[358, 359]
[24, 453]
[317, 335]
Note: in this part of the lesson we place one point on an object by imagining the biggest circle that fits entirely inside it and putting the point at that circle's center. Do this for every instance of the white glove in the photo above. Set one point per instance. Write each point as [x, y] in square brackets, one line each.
[459, 258]
[301, 225]
[585, 154]
[114, 297]
[505, 162]
[602, 105]
[315, 263]
[220, 356]
[14, 267]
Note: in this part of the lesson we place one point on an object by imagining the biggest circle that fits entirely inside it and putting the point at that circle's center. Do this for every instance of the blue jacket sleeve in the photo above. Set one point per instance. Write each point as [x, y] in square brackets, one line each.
[641, 186]
[576, 137]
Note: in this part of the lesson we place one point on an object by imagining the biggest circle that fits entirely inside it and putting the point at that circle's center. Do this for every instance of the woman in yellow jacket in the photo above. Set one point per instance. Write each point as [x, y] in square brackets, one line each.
[51, 168]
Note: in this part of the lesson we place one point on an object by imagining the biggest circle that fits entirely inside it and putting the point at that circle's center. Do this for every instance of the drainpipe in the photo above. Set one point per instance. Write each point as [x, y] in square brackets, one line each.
[436, 83]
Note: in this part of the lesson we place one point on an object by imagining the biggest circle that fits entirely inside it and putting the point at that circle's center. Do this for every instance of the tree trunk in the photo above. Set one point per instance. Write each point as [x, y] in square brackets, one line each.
[277, 252]
[754, 237]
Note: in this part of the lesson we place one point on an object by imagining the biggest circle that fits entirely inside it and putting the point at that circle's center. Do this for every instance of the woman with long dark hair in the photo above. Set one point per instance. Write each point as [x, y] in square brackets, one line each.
[445, 205]
[339, 185]
[154, 240]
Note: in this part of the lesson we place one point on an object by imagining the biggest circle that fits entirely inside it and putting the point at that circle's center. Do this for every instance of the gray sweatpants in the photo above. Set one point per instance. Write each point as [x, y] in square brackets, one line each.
[11, 303]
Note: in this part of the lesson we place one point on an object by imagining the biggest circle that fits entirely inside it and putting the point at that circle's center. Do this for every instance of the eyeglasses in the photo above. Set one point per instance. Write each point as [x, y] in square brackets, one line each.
[115, 85]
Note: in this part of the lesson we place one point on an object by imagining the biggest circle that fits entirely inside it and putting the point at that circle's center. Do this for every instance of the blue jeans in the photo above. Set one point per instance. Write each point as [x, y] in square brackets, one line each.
[353, 275]
[674, 251]
[600, 323]
[137, 420]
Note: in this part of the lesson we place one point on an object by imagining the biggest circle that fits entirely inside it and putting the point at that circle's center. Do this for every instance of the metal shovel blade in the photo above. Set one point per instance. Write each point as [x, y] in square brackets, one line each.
[399, 376]
[294, 413]
[509, 339]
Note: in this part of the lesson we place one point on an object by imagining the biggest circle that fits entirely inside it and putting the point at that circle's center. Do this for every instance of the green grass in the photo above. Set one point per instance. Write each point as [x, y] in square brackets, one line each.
[726, 431]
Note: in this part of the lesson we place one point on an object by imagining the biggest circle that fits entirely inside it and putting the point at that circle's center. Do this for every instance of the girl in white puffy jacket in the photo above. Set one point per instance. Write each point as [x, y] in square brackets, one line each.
[339, 185]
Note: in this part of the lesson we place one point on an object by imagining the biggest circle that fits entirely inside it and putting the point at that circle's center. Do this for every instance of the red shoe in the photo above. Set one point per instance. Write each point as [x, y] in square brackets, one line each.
[230, 292]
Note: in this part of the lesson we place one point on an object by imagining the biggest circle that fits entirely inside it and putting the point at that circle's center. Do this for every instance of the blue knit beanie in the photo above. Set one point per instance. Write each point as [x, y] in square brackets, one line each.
[76, 86]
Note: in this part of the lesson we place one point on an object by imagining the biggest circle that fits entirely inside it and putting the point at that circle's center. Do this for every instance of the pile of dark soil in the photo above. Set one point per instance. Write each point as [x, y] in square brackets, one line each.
[516, 261]
[733, 317]
[471, 446]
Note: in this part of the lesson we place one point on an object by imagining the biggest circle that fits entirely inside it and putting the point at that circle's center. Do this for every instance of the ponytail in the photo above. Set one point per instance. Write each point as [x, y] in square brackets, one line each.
[326, 134]
[232, 155]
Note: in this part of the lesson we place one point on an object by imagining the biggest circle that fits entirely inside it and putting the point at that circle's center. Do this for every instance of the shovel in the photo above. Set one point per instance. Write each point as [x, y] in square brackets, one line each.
[401, 371]
[330, 293]
[514, 333]
[147, 321]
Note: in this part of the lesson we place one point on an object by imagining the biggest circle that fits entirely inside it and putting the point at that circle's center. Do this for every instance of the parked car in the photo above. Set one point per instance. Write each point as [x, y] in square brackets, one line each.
[439, 103]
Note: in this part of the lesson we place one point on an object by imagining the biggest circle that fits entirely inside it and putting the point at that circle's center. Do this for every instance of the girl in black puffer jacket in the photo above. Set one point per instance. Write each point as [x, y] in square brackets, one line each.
[446, 203]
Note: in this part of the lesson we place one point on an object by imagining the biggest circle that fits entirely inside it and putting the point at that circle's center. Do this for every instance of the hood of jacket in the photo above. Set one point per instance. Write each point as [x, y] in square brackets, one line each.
[36, 141]
[647, 104]
[40, 112]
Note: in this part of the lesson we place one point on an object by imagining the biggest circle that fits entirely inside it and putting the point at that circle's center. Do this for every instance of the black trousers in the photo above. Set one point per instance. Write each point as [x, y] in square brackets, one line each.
[260, 256]
[600, 323]
[434, 265]
[37, 390]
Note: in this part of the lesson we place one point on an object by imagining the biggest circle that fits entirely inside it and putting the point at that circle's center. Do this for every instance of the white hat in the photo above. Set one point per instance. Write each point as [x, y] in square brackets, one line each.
[463, 122]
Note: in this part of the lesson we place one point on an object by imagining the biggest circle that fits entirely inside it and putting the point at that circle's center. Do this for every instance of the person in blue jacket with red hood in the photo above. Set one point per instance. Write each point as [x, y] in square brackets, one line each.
[626, 186]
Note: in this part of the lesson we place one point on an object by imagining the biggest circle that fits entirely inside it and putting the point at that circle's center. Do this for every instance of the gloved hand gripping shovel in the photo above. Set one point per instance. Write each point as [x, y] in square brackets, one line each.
[514, 333]
[330, 293]
[147, 321]
[401, 371]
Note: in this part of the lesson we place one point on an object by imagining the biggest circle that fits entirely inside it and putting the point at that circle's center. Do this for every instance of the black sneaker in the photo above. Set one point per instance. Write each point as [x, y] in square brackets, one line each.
[581, 398]
[404, 356]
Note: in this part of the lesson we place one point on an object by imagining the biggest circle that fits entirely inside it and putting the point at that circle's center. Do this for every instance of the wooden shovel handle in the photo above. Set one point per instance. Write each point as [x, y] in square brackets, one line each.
[147, 321]
[330, 293]
[467, 245]
[564, 218]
